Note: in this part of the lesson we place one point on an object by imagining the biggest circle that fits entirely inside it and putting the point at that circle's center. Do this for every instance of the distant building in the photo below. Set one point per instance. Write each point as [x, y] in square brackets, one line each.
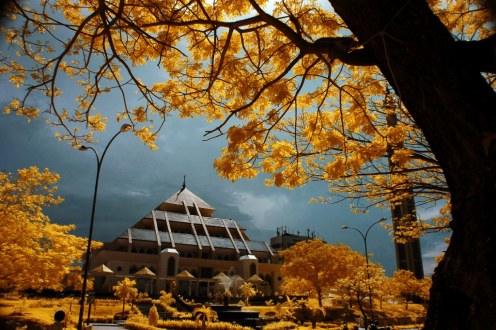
[180, 243]
[284, 240]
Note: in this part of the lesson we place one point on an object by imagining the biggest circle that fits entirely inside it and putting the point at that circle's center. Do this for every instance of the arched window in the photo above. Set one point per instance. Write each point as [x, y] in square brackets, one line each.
[171, 266]
[253, 269]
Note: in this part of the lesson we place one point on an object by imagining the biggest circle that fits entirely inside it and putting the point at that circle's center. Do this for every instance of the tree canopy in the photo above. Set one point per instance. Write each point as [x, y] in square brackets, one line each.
[126, 291]
[366, 280]
[34, 253]
[293, 97]
[317, 265]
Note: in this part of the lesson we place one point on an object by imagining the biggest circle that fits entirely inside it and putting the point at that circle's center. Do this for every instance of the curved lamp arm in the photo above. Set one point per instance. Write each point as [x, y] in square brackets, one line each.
[124, 128]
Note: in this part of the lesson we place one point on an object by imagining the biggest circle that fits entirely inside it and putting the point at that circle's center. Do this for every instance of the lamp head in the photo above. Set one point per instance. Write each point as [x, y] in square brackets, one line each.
[382, 219]
[345, 227]
[83, 148]
[126, 128]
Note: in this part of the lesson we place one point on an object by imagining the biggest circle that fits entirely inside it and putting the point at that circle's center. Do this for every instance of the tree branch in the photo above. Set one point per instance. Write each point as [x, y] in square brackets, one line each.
[480, 54]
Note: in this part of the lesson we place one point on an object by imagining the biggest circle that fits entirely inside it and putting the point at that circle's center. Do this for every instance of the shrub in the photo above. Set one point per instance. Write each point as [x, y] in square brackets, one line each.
[102, 319]
[141, 323]
[280, 325]
[153, 316]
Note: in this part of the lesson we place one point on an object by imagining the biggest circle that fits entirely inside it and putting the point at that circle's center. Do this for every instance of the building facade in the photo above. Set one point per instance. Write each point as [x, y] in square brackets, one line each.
[181, 246]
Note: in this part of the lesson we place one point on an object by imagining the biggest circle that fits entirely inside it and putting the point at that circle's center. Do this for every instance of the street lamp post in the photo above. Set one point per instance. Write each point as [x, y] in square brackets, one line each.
[364, 237]
[124, 128]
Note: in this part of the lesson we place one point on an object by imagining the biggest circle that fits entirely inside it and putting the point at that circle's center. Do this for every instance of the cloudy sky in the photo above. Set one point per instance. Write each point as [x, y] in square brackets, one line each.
[134, 180]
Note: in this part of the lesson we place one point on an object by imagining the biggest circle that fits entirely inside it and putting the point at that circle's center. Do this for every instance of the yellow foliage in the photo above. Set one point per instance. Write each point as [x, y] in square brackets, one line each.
[125, 289]
[34, 253]
[147, 136]
[96, 122]
[153, 316]
[406, 284]
[291, 112]
[316, 266]
[367, 278]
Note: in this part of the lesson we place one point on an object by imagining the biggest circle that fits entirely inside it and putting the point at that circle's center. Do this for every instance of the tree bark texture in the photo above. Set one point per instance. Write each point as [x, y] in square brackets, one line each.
[456, 109]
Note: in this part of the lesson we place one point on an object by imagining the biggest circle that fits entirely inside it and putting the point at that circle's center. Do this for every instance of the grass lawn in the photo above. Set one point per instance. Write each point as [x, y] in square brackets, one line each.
[41, 312]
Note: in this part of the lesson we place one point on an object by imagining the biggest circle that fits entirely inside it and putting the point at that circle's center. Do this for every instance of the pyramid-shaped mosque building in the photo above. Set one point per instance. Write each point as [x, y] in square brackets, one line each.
[181, 245]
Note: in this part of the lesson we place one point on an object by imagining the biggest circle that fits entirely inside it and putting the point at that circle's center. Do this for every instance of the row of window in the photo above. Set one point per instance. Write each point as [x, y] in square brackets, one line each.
[188, 230]
[206, 255]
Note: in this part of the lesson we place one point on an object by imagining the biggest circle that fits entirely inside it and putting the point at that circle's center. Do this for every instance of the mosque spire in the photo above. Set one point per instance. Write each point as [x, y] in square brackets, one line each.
[183, 187]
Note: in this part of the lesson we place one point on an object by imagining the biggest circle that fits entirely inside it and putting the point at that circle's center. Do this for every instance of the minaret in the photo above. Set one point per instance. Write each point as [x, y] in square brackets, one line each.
[183, 187]
[408, 255]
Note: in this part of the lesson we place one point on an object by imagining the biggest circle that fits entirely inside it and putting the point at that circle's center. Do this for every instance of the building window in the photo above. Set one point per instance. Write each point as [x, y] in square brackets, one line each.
[253, 269]
[171, 266]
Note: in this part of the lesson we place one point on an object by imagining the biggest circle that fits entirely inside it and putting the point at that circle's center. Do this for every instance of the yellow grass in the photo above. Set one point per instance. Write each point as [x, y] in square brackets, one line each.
[42, 311]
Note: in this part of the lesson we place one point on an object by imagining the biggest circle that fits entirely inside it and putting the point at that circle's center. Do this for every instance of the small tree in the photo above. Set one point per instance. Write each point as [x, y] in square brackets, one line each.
[318, 263]
[363, 282]
[406, 284]
[166, 298]
[166, 301]
[385, 290]
[247, 291]
[203, 314]
[34, 253]
[126, 291]
[153, 316]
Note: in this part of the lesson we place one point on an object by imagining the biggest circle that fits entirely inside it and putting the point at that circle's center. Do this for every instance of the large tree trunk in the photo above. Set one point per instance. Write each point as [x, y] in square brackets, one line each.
[456, 109]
